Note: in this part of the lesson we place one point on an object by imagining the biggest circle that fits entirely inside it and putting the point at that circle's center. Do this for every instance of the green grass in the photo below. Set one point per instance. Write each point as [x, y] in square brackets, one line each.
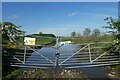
[11, 75]
[40, 41]
[117, 67]
[91, 39]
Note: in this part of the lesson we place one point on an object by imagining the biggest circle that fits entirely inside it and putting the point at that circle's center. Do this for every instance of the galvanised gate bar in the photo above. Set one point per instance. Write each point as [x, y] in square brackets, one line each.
[64, 55]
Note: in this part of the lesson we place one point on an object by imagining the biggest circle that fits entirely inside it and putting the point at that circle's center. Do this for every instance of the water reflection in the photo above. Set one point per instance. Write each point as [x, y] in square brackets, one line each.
[65, 52]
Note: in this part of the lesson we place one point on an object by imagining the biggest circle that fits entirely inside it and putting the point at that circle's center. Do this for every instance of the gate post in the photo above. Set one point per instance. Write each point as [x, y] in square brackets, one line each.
[24, 54]
[89, 53]
[57, 54]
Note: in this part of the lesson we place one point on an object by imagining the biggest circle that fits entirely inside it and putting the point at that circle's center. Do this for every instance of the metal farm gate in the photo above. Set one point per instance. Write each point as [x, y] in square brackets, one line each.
[64, 55]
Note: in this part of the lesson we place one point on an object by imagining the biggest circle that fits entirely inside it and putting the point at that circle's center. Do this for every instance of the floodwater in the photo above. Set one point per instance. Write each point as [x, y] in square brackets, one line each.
[65, 51]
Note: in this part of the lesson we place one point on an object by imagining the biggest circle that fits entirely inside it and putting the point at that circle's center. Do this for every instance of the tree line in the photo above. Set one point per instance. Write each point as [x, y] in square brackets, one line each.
[86, 33]
[96, 35]
[89, 35]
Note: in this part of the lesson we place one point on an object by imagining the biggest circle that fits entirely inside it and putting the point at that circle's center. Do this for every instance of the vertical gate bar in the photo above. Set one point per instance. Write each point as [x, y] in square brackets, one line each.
[57, 54]
[24, 54]
[89, 53]
[57, 39]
